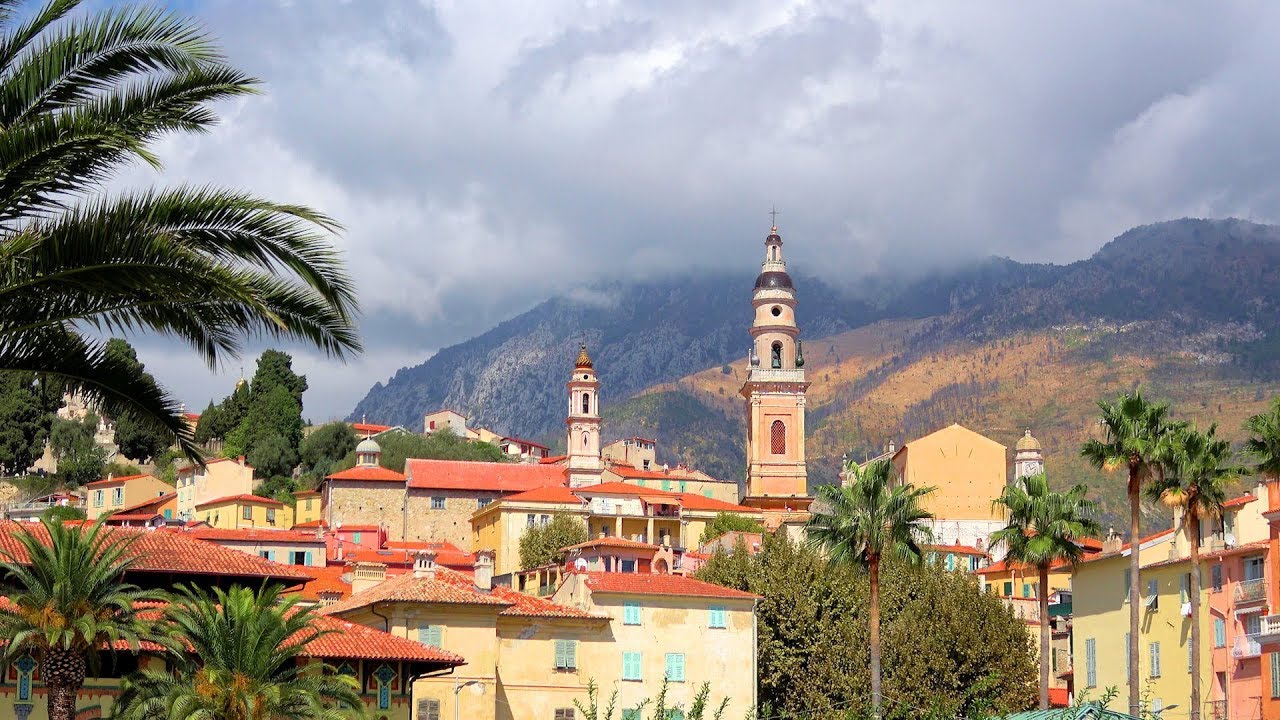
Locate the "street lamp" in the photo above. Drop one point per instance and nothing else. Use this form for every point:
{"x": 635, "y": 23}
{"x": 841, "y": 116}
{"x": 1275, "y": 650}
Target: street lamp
{"x": 457, "y": 688}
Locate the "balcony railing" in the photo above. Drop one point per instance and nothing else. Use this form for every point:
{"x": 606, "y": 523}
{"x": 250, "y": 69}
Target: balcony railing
{"x": 771, "y": 375}
{"x": 1250, "y": 591}
{"x": 1217, "y": 709}
{"x": 1247, "y": 647}
{"x": 1269, "y": 627}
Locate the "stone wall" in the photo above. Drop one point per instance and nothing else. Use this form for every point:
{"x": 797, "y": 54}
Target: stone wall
{"x": 366, "y": 503}
{"x": 452, "y": 523}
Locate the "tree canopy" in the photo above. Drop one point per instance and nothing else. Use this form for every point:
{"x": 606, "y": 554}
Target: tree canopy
{"x": 80, "y": 459}
{"x": 325, "y": 447}
{"x": 950, "y": 650}
{"x": 728, "y": 522}
{"x": 136, "y": 437}
{"x": 27, "y": 410}
{"x": 541, "y": 544}
{"x": 439, "y": 445}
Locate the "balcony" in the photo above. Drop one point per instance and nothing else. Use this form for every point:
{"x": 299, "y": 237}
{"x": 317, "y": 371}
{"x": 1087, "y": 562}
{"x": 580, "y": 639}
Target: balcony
{"x": 1269, "y": 629}
{"x": 1251, "y": 591}
{"x": 771, "y": 375}
{"x": 1247, "y": 646}
{"x": 1217, "y": 709}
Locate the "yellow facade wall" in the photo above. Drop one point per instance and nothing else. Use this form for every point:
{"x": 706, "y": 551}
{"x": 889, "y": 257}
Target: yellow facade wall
{"x": 967, "y": 469}
{"x": 306, "y": 508}
{"x": 109, "y": 497}
{"x": 230, "y": 515}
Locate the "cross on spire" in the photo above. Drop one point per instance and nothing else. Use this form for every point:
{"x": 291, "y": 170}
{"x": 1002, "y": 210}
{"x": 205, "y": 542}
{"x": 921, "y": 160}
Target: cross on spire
{"x": 773, "y": 216}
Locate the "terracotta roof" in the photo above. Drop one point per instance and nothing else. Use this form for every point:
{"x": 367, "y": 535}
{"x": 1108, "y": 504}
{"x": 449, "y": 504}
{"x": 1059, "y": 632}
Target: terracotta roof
{"x": 311, "y": 524}
{"x": 370, "y": 428}
{"x": 552, "y": 460}
{"x": 114, "y": 480}
{"x": 214, "y": 461}
{"x": 622, "y": 488}
{"x": 494, "y": 477}
{"x": 612, "y": 542}
{"x": 1141, "y": 542}
{"x": 358, "y": 528}
{"x": 212, "y": 534}
{"x": 328, "y": 578}
{"x": 655, "y": 584}
{"x": 522, "y": 441}
{"x": 957, "y": 549}
{"x": 694, "y": 501}
{"x": 173, "y": 551}
{"x": 1240, "y": 501}
{"x": 1247, "y": 547}
{"x": 447, "y": 553}
{"x": 130, "y": 517}
{"x": 1006, "y": 565}
{"x": 450, "y": 557}
{"x": 358, "y": 641}
{"x": 376, "y": 473}
{"x": 158, "y": 500}
{"x": 550, "y": 494}
{"x": 241, "y": 499}
{"x": 450, "y": 587}
{"x": 631, "y": 471}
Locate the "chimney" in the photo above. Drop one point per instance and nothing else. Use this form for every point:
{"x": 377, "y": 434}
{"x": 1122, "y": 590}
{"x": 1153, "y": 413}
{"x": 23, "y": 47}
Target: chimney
{"x": 240, "y": 460}
{"x": 366, "y": 575}
{"x": 1113, "y": 543}
{"x": 424, "y": 564}
{"x": 892, "y": 447}
{"x": 329, "y": 597}
{"x": 484, "y": 569}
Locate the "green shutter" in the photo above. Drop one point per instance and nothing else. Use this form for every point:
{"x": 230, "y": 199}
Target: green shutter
{"x": 566, "y": 655}
{"x": 1219, "y": 632}
{"x": 717, "y": 617}
{"x": 1090, "y": 662}
{"x": 631, "y": 713}
{"x": 1128, "y": 582}
{"x": 1275, "y": 674}
{"x": 631, "y": 613}
{"x": 1008, "y": 588}
{"x": 430, "y": 635}
{"x": 675, "y": 667}
{"x": 630, "y": 666}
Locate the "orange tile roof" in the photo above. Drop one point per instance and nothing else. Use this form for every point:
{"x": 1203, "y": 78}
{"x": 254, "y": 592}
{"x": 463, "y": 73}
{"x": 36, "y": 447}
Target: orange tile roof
{"x": 358, "y": 528}
{"x": 175, "y": 552}
{"x": 158, "y": 500}
{"x": 694, "y": 501}
{"x": 522, "y": 441}
{"x": 450, "y": 587}
{"x": 655, "y": 584}
{"x": 612, "y": 542}
{"x": 327, "y": 579}
{"x": 116, "y": 517}
{"x": 552, "y": 460}
{"x": 622, "y": 488}
{"x": 631, "y": 471}
{"x": 490, "y": 476}
{"x": 550, "y": 494}
{"x": 447, "y": 553}
{"x": 255, "y": 535}
{"x": 351, "y": 640}
{"x": 1126, "y": 546}
{"x": 1240, "y": 501}
{"x": 114, "y": 480}
{"x": 376, "y": 473}
{"x": 1247, "y": 547}
{"x": 311, "y": 524}
{"x": 369, "y": 428}
{"x": 957, "y": 549}
{"x": 258, "y": 499}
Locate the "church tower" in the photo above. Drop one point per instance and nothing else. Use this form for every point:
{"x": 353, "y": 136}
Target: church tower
{"x": 777, "y": 480}
{"x": 1028, "y": 458}
{"x": 583, "y": 446}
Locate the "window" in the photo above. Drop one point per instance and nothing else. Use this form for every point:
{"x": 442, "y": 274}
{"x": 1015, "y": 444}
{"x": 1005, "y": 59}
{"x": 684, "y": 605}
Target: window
{"x": 706, "y": 493}
{"x": 544, "y": 520}
{"x": 437, "y": 503}
{"x": 1216, "y": 576}
{"x": 775, "y": 356}
{"x": 1275, "y": 674}
{"x": 432, "y": 425}
{"x": 246, "y": 512}
{"x": 271, "y": 516}
{"x": 717, "y": 619}
{"x": 628, "y": 566}
{"x": 117, "y": 496}
{"x": 675, "y": 714}
{"x": 1184, "y": 588}
{"x": 1253, "y": 568}
{"x": 675, "y": 667}
{"x": 1090, "y": 662}
{"x": 586, "y": 403}
{"x": 97, "y": 498}
{"x": 1153, "y": 594}
{"x": 1128, "y": 583}
{"x": 1219, "y": 632}
{"x": 1128, "y": 678}
{"x": 268, "y": 554}
{"x": 631, "y": 714}
{"x": 483, "y": 502}
{"x": 308, "y": 504}
{"x": 564, "y": 713}
{"x": 432, "y": 635}
{"x": 168, "y": 514}
{"x": 631, "y": 666}
{"x": 631, "y": 613}
{"x": 1026, "y": 590}
{"x": 356, "y": 537}
{"x": 566, "y": 654}
{"x": 684, "y": 486}
{"x": 300, "y": 557}
{"x": 428, "y": 710}
{"x": 1253, "y": 624}
{"x": 1155, "y": 659}
{"x": 530, "y": 520}
{"x": 666, "y": 484}
{"x": 778, "y": 438}
{"x": 1008, "y": 588}
{"x": 951, "y": 561}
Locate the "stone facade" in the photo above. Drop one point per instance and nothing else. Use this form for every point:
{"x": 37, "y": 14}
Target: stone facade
{"x": 356, "y": 502}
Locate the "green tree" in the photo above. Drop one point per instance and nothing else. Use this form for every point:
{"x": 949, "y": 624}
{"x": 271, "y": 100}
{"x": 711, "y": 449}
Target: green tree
{"x": 325, "y": 447}
{"x": 62, "y": 513}
{"x": 66, "y": 582}
{"x": 137, "y": 437}
{"x": 592, "y": 710}
{"x": 950, "y": 650}
{"x": 1264, "y": 441}
{"x": 80, "y": 459}
{"x": 273, "y": 410}
{"x": 1199, "y": 472}
{"x": 272, "y": 455}
{"x": 864, "y": 521}
{"x": 87, "y": 92}
{"x": 242, "y": 660}
{"x": 1044, "y": 529}
{"x": 729, "y": 522}
{"x": 543, "y": 544}
{"x": 26, "y": 415}
{"x": 1136, "y": 433}
{"x": 439, "y": 445}
{"x": 275, "y": 369}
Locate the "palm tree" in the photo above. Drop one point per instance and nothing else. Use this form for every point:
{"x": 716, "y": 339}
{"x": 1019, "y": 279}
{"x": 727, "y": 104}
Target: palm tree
{"x": 69, "y": 602}
{"x": 1199, "y": 470}
{"x": 81, "y": 98}
{"x": 1044, "y": 530}
{"x": 1136, "y": 431}
{"x": 242, "y": 661}
{"x": 1264, "y": 441}
{"x": 864, "y": 521}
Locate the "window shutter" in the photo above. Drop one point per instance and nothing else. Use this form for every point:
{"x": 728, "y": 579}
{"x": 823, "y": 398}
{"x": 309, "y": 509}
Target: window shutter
{"x": 1184, "y": 587}
{"x": 428, "y": 710}
{"x": 1091, "y": 662}
{"x": 562, "y": 658}
{"x": 1190, "y": 667}
{"x": 1126, "y": 658}
{"x": 308, "y": 557}
{"x": 430, "y": 635}
{"x": 1216, "y": 574}
{"x": 1155, "y": 659}
{"x": 1275, "y": 674}
{"x": 631, "y": 613}
{"x": 1128, "y": 582}
{"x": 571, "y": 654}
{"x": 1219, "y": 632}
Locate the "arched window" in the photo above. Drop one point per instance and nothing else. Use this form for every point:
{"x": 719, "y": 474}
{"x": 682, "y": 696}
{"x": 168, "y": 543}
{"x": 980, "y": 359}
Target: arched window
{"x": 586, "y": 403}
{"x": 778, "y": 438}
{"x": 777, "y": 356}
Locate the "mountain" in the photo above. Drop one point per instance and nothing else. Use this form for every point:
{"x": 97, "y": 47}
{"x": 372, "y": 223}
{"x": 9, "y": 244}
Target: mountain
{"x": 1186, "y": 309}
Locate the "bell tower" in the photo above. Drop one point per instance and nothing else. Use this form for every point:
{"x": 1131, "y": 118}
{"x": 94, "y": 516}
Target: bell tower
{"x": 583, "y": 422}
{"x": 777, "y": 479}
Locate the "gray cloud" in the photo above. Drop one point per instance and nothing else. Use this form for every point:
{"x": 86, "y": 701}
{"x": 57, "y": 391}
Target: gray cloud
{"x": 485, "y": 155}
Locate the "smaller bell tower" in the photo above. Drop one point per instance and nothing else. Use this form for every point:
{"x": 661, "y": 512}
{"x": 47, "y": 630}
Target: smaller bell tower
{"x": 583, "y": 422}
{"x": 1028, "y": 457}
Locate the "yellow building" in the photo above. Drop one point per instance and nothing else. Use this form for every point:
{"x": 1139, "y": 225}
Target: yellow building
{"x": 531, "y": 658}
{"x": 612, "y": 509}
{"x": 307, "y": 507}
{"x": 673, "y": 479}
{"x": 245, "y": 511}
{"x": 219, "y": 478}
{"x": 116, "y": 493}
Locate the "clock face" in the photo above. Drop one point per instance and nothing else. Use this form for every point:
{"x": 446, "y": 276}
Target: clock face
{"x": 1030, "y": 468}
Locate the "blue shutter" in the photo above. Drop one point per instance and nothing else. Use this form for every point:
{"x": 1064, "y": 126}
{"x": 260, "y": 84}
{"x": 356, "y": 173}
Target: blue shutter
{"x": 630, "y": 666}
{"x": 430, "y": 635}
{"x": 717, "y": 617}
{"x": 1090, "y": 662}
{"x": 1219, "y": 632}
{"x": 308, "y": 557}
{"x": 675, "y": 667}
{"x": 631, "y": 613}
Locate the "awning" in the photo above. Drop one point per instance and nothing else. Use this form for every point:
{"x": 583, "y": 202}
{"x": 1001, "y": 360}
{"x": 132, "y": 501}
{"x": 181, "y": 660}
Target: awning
{"x": 660, "y": 500}
{"x": 1247, "y": 609}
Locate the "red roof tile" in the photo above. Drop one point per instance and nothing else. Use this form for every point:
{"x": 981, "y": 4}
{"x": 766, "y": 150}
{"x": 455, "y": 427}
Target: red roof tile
{"x": 655, "y": 584}
{"x": 369, "y": 428}
{"x": 255, "y": 499}
{"x": 1240, "y": 501}
{"x": 694, "y": 501}
{"x": 114, "y": 480}
{"x": 616, "y": 542}
{"x": 551, "y": 494}
{"x": 1141, "y": 541}
{"x": 327, "y": 579}
{"x": 450, "y": 587}
{"x": 957, "y": 549}
{"x": 552, "y": 460}
{"x": 622, "y": 488}
{"x": 311, "y": 524}
{"x": 376, "y": 473}
{"x": 158, "y": 500}
{"x": 173, "y": 551}
{"x": 357, "y": 528}
{"x": 351, "y": 640}
{"x": 255, "y": 535}
{"x": 117, "y": 517}
{"x": 493, "y": 477}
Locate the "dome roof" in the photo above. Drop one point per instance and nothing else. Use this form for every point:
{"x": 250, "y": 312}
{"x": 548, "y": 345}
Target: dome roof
{"x": 774, "y": 279}
{"x": 1027, "y": 442}
{"x": 368, "y": 445}
{"x": 584, "y": 360}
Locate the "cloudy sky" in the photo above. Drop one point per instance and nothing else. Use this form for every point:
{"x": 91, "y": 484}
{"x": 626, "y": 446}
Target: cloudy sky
{"x": 485, "y": 155}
